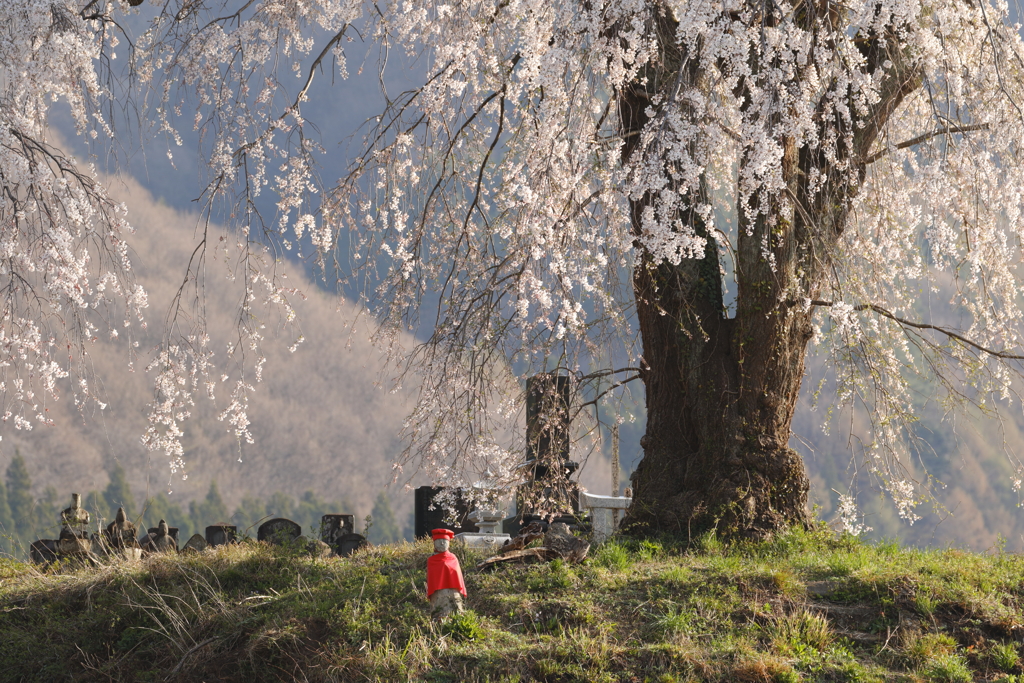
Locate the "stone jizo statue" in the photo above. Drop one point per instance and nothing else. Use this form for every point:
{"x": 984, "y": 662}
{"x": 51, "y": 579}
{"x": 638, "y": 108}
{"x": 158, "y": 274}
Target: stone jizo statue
{"x": 163, "y": 542}
{"x": 445, "y": 586}
{"x": 76, "y": 515}
{"x": 121, "y": 532}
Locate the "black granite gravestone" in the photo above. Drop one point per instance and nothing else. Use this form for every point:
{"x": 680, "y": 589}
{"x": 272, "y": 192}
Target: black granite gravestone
{"x": 221, "y": 534}
{"x": 278, "y": 530}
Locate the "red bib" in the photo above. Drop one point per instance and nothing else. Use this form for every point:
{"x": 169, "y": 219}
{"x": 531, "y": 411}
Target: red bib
{"x": 443, "y": 571}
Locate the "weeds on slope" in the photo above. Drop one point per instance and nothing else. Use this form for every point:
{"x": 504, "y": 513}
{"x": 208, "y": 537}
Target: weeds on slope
{"x": 806, "y": 606}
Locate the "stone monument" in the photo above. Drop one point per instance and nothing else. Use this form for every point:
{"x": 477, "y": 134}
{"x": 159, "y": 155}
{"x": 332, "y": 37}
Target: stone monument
{"x": 278, "y": 531}
{"x": 334, "y": 526}
{"x": 196, "y": 544}
{"x": 432, "y": 506}
{"x": 349, "y": 543}
{"x": 74, "y": 539}
{"x": 221, "y": 533}
{"x": 161, "y": 540}
{"x": 488, "y": 538}
{"x": 547, "y": 457}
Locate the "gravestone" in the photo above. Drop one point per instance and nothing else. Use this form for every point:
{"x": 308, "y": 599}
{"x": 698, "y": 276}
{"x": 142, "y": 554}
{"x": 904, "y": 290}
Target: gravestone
{"x": 349, "y": 543}
{"x": 196, "y": 544}
{"x": 439, "y": 518}
{"x": 334, "y": 526}
{"x": 547, "y": 456}
{"x": 278, "y": 530}
{"x": 43, "y": 551}
{"x": 221, "y": 534}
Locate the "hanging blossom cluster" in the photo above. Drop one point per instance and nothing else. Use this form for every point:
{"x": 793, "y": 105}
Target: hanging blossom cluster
{"x": 65, "y": 276}
{"x": 246, "y": 69}
{"x": 938, "y": 227}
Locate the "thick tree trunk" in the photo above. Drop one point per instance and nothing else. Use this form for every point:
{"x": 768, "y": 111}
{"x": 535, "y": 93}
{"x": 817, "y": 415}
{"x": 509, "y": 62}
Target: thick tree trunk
{"x": 721, "y": 392}
{"x": 720, "y": 399}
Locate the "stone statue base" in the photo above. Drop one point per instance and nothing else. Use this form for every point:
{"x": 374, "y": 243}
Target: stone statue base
{"x": 444, "y": 602}
{"x": 487, "y": 542}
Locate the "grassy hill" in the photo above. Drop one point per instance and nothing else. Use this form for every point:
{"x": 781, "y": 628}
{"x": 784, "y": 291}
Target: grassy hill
{"x": 809, "y": 606}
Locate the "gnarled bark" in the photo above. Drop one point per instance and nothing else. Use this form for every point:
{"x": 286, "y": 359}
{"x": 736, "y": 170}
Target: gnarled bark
{"x": 721, "y": 391}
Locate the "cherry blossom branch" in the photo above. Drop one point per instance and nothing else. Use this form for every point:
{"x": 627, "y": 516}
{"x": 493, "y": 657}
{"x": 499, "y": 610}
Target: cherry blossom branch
{"x": 920, "y": 326}
{"x": 949, "y": 130}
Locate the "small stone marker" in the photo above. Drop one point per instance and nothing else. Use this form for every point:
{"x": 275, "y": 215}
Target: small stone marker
{"x": 221, "y": 534}
{"x": 334, "y": 526}
{"x": 43, "y": 551}
{"x": 278, "y": 531}
{"x": 196, "y": 544}
{"x": 316, "y": 549}
{"x": 349, "y": 543}
{"x": 445, "y": 586}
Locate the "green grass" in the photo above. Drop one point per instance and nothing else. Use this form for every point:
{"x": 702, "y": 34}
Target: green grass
{"x": 806, "y": 606}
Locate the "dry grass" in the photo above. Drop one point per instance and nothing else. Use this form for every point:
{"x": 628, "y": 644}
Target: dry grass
{"x": 636, "y": 611}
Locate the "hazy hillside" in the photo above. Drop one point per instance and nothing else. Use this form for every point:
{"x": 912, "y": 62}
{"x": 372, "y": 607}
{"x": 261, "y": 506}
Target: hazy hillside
{"x": 319, "y": 421}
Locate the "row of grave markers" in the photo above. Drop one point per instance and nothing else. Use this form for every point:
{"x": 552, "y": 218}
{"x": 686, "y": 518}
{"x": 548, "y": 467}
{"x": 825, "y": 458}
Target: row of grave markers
{"x": 337, "y": 536}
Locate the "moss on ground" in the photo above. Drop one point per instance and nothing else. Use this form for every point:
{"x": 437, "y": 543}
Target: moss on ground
{"x": 807, "y": 606}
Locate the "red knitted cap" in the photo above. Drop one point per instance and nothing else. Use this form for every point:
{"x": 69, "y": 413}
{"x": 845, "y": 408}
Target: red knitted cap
{"x": 439, "y": 534}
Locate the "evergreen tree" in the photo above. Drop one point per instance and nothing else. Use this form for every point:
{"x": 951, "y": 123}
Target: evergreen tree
{"x": 45, "y": 520}
{"x": 385, "y": 528}
{"x": 249, "y": 515}
{"x": 118, "y": 493}
{"x": 307, "y": 513}
{"x": 97, "y": 506}
{"x": 212, "y": 510}
{"x": 409, "y": 530}
{"x": 6, "y": 523}
{"x": 280, "y": 505}
{"x": 19, "y": 498}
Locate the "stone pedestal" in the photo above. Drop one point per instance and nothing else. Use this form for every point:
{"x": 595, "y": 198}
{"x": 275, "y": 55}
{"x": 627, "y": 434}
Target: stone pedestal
{"x": 605, "y": 513}
{"x": 488, "y": 539}
{"x": 445, "y": 602}
{"x": 485, "y": 542}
